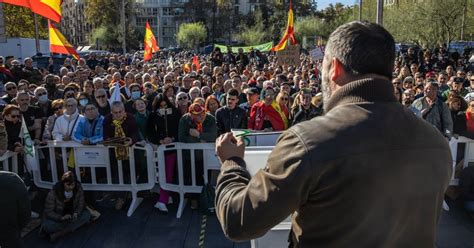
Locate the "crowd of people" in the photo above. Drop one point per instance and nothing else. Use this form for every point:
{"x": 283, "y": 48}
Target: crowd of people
{"x": 171, "y": 99}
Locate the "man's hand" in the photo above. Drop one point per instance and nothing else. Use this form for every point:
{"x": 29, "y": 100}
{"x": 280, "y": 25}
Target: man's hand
{"x": 228, "y": 146}
{"x": 85, "y": 142}
{"x": 194, "y": 132}
{"x": 128, "y": 141}
{"x": 66, "y": 137}
{"x": 18, "y": 147}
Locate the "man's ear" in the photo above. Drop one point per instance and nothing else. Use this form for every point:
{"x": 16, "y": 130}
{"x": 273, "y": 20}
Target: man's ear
{"x": 337, "y": 70}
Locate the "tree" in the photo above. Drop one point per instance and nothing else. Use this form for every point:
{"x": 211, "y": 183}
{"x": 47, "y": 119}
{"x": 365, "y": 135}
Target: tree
{"x": 191, "y": 34}
{"x": 15, "y": 15}
{"x": 104, "y": 15}
{"x": 428, "y": 23}
{"x": 253, "y": 33}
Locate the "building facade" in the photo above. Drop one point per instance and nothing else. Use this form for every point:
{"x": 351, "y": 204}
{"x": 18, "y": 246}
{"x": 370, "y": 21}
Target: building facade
{"x": 73, "y": 23}
{"x": 164, "y": 17}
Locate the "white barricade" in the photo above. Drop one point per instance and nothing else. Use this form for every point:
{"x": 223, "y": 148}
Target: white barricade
{"x": 210, "y": 162}
{"x": 9, "y": 162}
{"x": 55, "y": 156}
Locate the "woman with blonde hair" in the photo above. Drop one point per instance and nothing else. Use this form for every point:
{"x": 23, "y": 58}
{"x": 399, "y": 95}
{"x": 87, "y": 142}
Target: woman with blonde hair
{"x": 283, "y": 99}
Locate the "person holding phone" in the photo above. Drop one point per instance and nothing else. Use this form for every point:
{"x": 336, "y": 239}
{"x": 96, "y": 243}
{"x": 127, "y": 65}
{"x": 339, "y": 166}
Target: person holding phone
{"x": 162, "y": 129}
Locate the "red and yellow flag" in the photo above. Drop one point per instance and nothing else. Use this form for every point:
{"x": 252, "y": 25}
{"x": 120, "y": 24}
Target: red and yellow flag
{"x": 22, "y": 3}
{"x": 50, "y": 9}
{"x": 196, "y": 62}
{"x": 58, "y": 43}
{"x": 150, "y": 43}
{"x": 289, "y": 32}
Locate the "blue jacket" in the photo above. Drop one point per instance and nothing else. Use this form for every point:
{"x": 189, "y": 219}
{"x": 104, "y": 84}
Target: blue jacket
{"x": 83, "y": 130}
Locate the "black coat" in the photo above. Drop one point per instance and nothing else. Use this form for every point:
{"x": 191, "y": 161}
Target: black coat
{"x": 160, "y": 127}
{"x": 228, "y": 119}
{"x": 13, "y": 132}
{"x": 15, "y": 209}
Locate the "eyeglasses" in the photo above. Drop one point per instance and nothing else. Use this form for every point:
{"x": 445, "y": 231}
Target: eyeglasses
{"x": 15, "y": 116}
{"x": 57, "y": 108}
{"x": 148, "y": 86}
{"x": 102, "y": 96}
{"x": 42, "y": 94}
{"x": 11, "y": 88}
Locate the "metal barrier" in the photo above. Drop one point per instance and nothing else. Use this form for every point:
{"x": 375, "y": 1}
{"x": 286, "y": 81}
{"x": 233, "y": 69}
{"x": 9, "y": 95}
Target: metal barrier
{"x": 9, "y": 162}
{"x": 54, "y": 156}
{"x": 209, "y": 159}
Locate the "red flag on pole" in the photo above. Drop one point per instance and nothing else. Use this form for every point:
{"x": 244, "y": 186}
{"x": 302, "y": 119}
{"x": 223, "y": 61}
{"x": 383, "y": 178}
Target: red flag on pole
{"x": 196, "y": 62}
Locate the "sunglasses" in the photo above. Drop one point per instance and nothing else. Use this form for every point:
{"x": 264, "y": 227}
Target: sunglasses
{"x": 102, "y": 96}
{"x": 11, "y": 88}
{"x": 182, "y": 98}
{"x": 42, "y": 94}
{"x": 58, "y": 108}
{"x": 15, "y": 116}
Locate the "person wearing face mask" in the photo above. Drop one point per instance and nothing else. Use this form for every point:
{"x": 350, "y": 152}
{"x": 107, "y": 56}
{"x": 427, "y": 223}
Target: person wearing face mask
{"x": 64, "y": 208}
{"x": 162, "y": 129}
{"x": 135, "y": 94}
{"x": 43, "y": 103}
{"x": 82, "y": 100}
{"x": 66, "y": 123}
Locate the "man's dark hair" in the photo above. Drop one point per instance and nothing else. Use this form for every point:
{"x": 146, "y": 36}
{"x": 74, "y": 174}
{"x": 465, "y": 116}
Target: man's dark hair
{"x": 233, "y": 92}
{"x": 363, "y": 48}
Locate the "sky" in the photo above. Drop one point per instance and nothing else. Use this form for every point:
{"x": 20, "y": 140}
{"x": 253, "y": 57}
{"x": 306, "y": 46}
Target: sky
{"x": 322, "y": 4}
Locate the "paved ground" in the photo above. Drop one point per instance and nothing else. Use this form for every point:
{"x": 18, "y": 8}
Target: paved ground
{"x": 148, "y": 228}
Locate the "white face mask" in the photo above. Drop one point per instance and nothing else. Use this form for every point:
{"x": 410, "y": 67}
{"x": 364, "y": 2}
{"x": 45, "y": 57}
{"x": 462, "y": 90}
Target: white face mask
{"x": 68, "y": 195}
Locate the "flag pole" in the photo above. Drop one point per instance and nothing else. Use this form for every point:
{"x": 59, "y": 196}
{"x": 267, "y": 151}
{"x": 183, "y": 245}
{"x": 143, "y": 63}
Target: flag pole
{"x": 37, "y": 43}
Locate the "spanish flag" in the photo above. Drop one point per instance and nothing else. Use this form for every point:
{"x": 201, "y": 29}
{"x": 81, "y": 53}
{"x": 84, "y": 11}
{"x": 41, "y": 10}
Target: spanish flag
{"x": 150, "y": 44}
{"x": 196, "y": 62}
{"x": 21, "y": 3}
{"x": 58, "y": 43}
{"x": 289, "y": 32}
{"x": 50, "y": 9}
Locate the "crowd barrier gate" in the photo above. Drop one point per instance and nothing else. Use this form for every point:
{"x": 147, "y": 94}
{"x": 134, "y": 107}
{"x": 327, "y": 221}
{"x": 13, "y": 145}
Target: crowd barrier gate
{"x": 56, "y": 154}
{"x": 155, "y": 167}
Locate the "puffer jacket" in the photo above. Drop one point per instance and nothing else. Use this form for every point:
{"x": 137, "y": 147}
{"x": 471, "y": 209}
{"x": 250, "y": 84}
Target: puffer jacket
{"x": 54, "y": 204}
{"x": 368, "y": 173}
